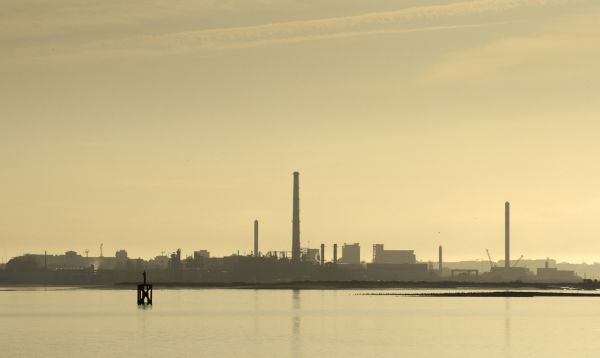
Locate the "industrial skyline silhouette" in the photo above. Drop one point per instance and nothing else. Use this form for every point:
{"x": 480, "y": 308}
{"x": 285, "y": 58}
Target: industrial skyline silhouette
{"x": 272, "y": 266}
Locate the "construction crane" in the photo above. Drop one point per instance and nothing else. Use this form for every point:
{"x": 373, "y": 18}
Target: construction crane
{"x": 490, "y": 258}
{"x": 518, "y": 261}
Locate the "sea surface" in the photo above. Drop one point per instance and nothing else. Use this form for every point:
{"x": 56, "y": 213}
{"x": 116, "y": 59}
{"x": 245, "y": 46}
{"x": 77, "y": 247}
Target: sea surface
{"x": 68, "y": 322}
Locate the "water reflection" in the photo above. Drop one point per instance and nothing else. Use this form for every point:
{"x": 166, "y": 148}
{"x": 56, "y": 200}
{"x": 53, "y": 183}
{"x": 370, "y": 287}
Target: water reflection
{"x": 256, "y": 314}
{"x": 142, "y": 320}
{"x": 296, "y": 343}
{"x": 507, "y": 326}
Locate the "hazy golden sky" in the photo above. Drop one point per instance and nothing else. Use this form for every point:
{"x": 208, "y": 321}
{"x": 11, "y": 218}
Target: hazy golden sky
{"x": 151, "y": 125}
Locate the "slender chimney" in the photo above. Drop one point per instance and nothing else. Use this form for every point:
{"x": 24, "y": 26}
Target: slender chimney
{"x": 440, "y": 260}
{"x": 507, "y": 235}
{"x": 296, "y": 220}
{"x": 255, "y": 238}
{"x": 335, "y": 253}
{"x": 322, "y": 254}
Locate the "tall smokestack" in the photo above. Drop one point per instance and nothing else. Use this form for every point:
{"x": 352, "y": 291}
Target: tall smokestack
{"x": 440, "y": 260}
{"x": 296, "y": 220}
{"x": 335, "y": 253}
{"x": 507, "y": 235}
{"x": 322, "y": 254}
{"x": 255, "y": 238}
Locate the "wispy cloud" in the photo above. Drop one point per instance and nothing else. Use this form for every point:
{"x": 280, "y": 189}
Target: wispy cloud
{"x": 364, "y": 22}
{"x": 400, "y": 21}
{"x": 338, "y": 35}
{"x": 572, "y": 40}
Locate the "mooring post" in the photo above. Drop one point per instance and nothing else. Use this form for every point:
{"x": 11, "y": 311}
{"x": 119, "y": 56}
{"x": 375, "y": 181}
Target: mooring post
{"x": 144, "y": 292}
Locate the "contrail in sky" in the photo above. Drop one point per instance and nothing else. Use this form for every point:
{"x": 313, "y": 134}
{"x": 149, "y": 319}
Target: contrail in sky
{"x": 398, "y": 21}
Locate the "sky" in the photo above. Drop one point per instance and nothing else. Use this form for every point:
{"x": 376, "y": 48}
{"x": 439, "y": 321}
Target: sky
{"x": 150, "y": 126}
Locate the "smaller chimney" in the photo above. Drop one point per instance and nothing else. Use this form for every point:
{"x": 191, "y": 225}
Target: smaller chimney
{"x": 322, "y": 254}
{"x": 255, "y": 238}
{"x": 335, "y": 253}
{"x": 507, "y": 235}
{"x": 440, "y": 260}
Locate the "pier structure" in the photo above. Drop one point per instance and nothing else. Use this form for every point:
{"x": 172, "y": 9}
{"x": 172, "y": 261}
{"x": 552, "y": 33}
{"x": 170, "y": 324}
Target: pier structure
{"x": 144, "y": 293}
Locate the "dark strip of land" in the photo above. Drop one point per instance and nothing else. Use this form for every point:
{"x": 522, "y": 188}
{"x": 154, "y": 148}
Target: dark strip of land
{"x": 491, "y": 294}
{"x": 335, "y": 285}
{"x": 341, "y": 285}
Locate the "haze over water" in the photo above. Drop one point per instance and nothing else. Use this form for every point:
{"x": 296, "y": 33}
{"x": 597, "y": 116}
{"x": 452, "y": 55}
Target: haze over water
{"x": 286, "y": 323}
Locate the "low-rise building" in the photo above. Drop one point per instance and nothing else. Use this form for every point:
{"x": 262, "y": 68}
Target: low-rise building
{"x": 383, "y": 256}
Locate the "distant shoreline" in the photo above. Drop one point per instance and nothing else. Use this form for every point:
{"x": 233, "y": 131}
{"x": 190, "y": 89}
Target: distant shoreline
{"x": 490, "y": 294}
{"x": 344, "y": 285}
{"x": 324, "y": 285}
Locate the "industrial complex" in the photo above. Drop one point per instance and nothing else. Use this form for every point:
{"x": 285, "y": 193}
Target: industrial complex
{"x": 299, "y": 264}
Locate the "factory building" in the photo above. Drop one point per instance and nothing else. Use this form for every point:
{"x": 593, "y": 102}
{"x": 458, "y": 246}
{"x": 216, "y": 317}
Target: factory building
{"x": 396, "y": 265}
{"x": 202, "y": 254}
{"x": 553, "y": 274}
{"x": 350, "y": 254}
{"x": 383, "y": 256}
{"x": 508, "y": 274}
{"x": 398, "y": 272}
{"x": 312, "y": 256}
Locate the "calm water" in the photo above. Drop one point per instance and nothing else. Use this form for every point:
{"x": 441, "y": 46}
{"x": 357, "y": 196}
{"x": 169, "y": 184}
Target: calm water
{"x": 282, "y": 323}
